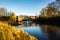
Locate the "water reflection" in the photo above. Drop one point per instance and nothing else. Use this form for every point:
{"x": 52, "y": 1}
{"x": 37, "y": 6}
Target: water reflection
{"x": 51, "y": 31}
{"x": 42, "y": 32}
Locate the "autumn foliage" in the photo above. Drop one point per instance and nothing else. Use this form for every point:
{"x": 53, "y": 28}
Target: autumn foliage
{"x": 8, "y": 32}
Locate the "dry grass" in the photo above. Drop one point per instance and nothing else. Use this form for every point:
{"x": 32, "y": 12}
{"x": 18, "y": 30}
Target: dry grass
{"x": 8, "y": 32}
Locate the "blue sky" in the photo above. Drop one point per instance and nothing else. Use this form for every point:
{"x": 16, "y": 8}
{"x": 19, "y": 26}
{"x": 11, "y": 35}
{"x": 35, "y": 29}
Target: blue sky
{"x": 24, "y": 7}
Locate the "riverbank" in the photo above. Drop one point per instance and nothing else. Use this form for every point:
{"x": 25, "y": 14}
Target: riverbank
{"x": 8, "y": 32}
{"x": 51, "y": 20}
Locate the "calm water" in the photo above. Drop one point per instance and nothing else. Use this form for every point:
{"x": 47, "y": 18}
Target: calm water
{"x": 42, "y": 32}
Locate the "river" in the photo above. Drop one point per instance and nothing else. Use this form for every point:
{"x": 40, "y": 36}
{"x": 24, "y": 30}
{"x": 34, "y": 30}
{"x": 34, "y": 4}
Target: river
{"x": 40, "y": 31}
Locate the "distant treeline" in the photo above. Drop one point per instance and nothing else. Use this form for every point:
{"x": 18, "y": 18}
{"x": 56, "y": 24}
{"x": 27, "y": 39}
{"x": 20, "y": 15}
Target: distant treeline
{"x": 51, "y": 20}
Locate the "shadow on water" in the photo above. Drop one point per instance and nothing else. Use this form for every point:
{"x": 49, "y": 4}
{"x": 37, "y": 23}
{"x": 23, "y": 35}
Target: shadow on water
{"x": 42, "y": 32}
{"x": 53, "y": 32}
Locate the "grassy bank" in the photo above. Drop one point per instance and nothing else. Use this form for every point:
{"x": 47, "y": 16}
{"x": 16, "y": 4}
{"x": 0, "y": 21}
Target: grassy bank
{"x": 8, "y": 32}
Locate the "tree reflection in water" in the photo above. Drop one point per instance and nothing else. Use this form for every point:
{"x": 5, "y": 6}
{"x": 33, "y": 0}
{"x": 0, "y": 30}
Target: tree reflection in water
{"x": 45, "y": 32}
{"x": 51, "y": 31}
